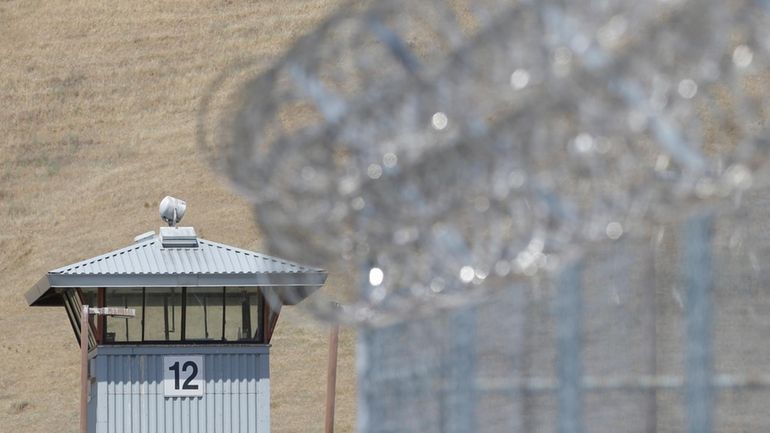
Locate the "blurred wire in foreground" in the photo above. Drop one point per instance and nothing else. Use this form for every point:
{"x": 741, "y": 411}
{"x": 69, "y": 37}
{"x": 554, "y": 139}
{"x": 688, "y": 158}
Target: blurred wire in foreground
{"x": 522, "y": 189}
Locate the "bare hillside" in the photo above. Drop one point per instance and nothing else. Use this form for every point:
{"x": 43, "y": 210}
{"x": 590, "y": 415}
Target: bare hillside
{"x": 97, "y": 123}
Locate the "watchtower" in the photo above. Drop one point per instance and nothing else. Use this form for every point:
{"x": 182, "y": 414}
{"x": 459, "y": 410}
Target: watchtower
{"x": 196, "y": 355}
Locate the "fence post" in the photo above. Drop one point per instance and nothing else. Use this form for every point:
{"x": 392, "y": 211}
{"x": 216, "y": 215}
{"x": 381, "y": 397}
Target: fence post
{"x": 460, "y": 397}
{"x": 649, "y": 286}
{"x": 569, "y": 366}
{"x": 698, "y": 280}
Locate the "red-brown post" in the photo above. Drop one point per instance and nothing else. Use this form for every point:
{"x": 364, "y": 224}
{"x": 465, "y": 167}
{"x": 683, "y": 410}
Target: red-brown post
{"x": 101, "y": 321}
{"x": 84, "y": 337}
{"x": 331, "y": 378}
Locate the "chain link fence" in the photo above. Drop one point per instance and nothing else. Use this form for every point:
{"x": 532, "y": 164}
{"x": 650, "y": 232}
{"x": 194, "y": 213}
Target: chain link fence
{"x": 661, "y": 336}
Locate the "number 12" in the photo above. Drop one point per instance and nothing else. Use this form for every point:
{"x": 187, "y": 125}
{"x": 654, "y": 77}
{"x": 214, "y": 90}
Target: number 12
{"x": 186, "y": 385}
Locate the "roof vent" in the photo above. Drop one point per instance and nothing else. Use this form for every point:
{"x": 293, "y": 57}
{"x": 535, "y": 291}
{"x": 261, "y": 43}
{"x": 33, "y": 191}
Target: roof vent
{"x": 178, "y": 237}
{"x": 144, "y": 237}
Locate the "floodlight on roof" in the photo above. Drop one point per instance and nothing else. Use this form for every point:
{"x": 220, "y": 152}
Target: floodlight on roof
{"x": 172, "y": 210}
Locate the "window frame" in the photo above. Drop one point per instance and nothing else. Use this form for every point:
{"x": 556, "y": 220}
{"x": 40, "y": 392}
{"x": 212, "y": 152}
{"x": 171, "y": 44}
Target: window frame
{"x": 263, "y": 308}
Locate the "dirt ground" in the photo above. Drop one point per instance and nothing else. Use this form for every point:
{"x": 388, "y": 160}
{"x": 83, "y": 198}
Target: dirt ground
{"x": 97, "y": 123}
{"x": 98, "y": 105}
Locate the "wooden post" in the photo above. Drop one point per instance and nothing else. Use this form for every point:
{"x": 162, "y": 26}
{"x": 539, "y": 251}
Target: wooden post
{"x": 331, "y": 378}
{"x": 101, "y": 321}
{"x": 84, "y": 337}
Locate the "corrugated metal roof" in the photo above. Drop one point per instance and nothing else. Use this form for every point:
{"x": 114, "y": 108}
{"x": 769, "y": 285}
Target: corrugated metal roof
{"x": 150, "y": 257}
{"x": 149, "y": 264}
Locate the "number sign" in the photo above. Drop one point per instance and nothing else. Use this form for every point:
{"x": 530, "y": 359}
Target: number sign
{"x": 183, "y": 376}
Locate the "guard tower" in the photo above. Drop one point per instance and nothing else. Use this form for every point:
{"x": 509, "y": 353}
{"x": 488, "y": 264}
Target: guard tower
{"x": 195, "y": 358}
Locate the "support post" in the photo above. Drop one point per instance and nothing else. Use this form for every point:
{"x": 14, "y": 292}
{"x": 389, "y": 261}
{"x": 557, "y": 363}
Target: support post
{"x": 331, "y": 378}
{"x": 84, "y": 337}
{"x": 101, "y": 322}
{"x": 699, "y": 282}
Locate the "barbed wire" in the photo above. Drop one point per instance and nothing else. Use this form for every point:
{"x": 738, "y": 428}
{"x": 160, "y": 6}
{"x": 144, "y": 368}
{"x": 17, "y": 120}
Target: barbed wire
{"x": 449, "y": 150}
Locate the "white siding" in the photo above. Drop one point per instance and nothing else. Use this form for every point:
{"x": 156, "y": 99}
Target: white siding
{"x": 127, "y": 395}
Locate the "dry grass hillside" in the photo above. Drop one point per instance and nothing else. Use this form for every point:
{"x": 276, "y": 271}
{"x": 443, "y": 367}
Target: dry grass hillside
{"x": 97, "y": 123}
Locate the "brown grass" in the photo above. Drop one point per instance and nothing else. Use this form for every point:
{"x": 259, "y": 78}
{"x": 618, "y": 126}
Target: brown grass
{"x": 97, "y": 123}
